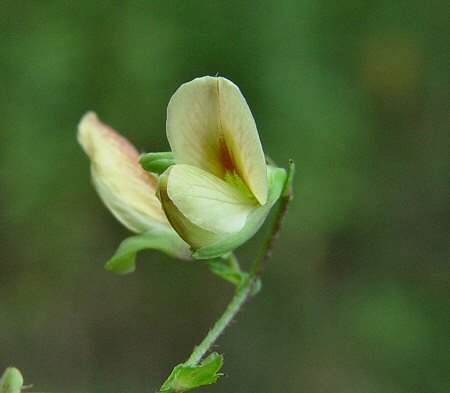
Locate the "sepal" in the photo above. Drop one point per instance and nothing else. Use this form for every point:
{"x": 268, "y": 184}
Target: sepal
{"x": 124, "y": 259}
{"x": 157, "y": 162}
{"x": 220, "y": 268}
{"x": 237, "y": 278}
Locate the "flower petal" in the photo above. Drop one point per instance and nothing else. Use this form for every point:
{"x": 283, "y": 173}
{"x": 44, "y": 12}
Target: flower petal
{"x": 207, "y": 201}
{"x": 227, "y": 243}
{"x": 192, "y": 234}
{"x": 124, "y": 187}
{"x": 210, "y": 126}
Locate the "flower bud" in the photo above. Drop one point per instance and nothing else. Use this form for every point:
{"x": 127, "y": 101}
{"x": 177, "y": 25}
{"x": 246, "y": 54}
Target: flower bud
{"x": 11, "y": 381}
{"x": 124, "y": 187}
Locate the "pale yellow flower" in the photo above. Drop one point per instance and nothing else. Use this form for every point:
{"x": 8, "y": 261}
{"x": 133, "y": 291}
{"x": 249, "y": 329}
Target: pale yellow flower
{"x": 220, "y": 175}
{"x": 216, "y": 191}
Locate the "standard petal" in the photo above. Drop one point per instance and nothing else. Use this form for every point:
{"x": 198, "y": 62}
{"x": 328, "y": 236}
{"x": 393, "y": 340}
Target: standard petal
{"x": 210, "y": 126}
{"x": 124, "y": 187}
{"x": 207, "y": 201}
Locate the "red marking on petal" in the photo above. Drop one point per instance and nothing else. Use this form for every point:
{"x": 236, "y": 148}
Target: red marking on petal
{"x": 226, "y": 158}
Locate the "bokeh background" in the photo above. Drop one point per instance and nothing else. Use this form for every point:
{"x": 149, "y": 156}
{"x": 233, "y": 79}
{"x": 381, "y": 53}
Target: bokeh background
{"x": 355, "y": 298}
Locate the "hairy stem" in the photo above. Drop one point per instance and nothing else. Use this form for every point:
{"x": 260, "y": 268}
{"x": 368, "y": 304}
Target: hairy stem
{"x": 240, "y": 297}
{"x": 266, "y": 251}
{"x": 244, "y": 291}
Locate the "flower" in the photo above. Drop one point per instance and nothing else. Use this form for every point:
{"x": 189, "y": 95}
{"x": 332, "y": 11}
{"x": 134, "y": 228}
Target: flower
{"x": 218, "y": 188}
{"x": 126, "y": 189}
{"x": 214, "y": 190}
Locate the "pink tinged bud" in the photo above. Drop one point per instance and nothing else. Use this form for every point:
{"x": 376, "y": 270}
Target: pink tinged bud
{"x": 124, "y": 187}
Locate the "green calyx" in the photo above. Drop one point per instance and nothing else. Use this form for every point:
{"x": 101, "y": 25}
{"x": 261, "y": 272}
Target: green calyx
{"x": 124, "y": 259}
{"x": 157, "y": 162}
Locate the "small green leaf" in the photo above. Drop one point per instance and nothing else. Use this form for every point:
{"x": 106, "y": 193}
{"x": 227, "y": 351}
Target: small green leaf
{"x": 225, "y": 271}
{"x": 124, "y": 260}
{"x": 157, "y": 162}
{"x": 184, "y": 378}
{"x": 237, "y": 278}
{"x": 11, "y": 381}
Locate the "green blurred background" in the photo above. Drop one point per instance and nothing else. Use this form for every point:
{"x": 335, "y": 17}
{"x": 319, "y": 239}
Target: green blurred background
{"x": 355, "y": 298}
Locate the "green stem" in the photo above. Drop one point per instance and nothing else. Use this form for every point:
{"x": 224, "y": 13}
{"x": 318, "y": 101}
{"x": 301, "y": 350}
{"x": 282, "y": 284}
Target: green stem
{"x": 240, "y": 297}
{"x": 266, "y": 251}
{"x": 244, "y": 291}
{"x": 234, "y": 263}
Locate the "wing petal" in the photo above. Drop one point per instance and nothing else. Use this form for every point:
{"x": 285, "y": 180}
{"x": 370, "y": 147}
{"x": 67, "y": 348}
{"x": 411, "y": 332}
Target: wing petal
{"x": 208, "y": 201}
